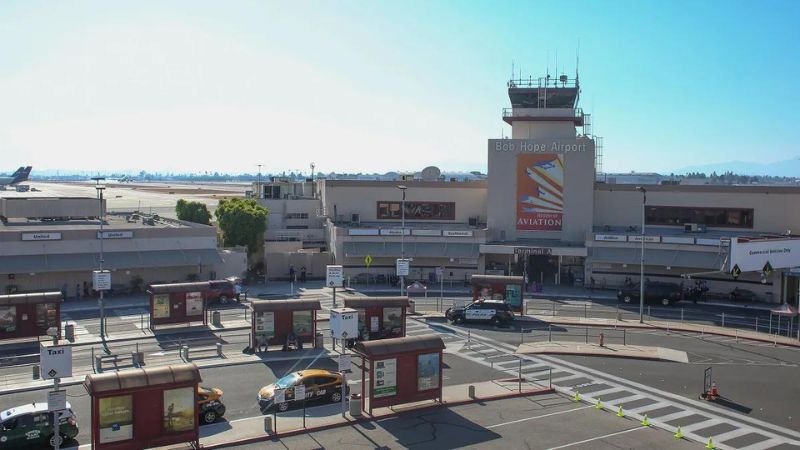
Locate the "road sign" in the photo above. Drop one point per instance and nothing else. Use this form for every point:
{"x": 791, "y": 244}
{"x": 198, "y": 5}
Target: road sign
{"x": 56, "y": 401}
{"x": 767, "y": 268}
{"x": 280, "y": 396}
{"x": 736, "y": 271}
{"x": 344, "y": 363}
{"x": 402, "y": 267}
{"x": 368, "y": 260}
{"x": 56, "y": 361}
{"x": 101, "y": 280}
{"x": 299, "y": 392}
{"x": 335, "y": 277}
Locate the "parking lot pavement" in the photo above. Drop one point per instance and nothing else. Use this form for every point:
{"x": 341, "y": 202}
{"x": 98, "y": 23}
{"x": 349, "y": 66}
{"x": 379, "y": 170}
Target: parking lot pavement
{"x": 541, "y": 422}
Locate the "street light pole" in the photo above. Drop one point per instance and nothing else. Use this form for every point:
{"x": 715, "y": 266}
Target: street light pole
{"x": 641, "y": 264}
{"x": 402, "y": 234}
{"x": 102, "y": 219}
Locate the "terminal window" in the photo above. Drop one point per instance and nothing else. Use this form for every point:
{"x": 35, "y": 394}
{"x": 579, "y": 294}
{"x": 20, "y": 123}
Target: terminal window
{"x": 417, "y": 210}
{"x": 712, "y": 217}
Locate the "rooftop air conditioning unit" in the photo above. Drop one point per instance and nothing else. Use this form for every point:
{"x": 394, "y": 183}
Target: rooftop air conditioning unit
{"x": 691, "y": 227}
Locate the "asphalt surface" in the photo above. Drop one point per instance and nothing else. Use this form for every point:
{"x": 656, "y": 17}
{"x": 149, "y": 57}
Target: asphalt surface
{"x": 541, "y": 422}
{"x": 241, "y": 384}
{"x": 755, "y": 378}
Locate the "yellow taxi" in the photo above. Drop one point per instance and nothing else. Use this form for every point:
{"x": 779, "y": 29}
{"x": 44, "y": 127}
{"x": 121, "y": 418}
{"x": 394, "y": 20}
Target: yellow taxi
{"x": 320, "y": 384}
{"x": 209, "y": 401}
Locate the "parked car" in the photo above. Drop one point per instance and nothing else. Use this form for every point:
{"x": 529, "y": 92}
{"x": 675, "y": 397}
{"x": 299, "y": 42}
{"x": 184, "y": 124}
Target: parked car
{"x": 210, "y": 404}
{"x": 654, "y": 292}
{"x": 320, "y": 385}
{"x": 32, "y": 424}
{"x": 743, "y": 295}
{"x": 222, "y": 290}
{"x": 494, "y": 311}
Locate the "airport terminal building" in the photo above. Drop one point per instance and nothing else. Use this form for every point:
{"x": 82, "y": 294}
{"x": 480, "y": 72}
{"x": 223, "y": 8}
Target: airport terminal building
{"x": 540, "y": 213}
{"x": 52, "y": 243}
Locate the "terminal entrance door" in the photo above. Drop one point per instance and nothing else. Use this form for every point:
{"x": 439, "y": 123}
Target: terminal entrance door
{"x": 792, "y": 291}
{"x": 542, "y": 269}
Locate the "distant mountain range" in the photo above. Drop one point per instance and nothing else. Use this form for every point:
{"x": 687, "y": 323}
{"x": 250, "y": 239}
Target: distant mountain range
{"x": 787, "y": 168}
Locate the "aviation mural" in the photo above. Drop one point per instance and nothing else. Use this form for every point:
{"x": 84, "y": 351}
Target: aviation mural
{"x": 540, "y": 191}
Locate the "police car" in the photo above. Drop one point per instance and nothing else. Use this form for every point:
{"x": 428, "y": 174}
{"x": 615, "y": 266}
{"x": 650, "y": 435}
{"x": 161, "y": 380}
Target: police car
{"x": 494, "y": 311}
{"x": 32, "y": 424}
{"x": 319, "y": 384}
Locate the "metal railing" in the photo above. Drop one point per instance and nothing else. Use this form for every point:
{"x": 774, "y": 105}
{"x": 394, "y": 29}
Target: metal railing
{"x": 552, "y": 333}
{"x": 768, "y": 322}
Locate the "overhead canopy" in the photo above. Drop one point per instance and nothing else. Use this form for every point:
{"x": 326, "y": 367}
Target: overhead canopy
{"x": 417, "y": 344}
{"x": 412, "y": 249}
{"x": 178, "y": 287}
{"x": 141, "y": 378}
{"x": 492, "y": 279}
{"x": 31, "y": 298}
{"x": 658, "y": 257}
{"x": 367, "y": 302}
{"x": 111, "y": 260}
{"x": 295, "y": 304}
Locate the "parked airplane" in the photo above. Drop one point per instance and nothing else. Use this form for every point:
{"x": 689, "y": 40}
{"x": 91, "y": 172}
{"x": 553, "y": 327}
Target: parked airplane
{"x": 17, "y": 177}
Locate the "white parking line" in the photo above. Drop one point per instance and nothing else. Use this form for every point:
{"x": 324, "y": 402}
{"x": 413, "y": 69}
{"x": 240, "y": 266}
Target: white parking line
{"x": 597, "y": 438}
{"x": 537, "y": 417}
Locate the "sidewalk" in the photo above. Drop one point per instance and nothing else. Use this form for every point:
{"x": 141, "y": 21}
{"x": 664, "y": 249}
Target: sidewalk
{"x": 202, "y": 362}
{"x": 612, "y": 350}
{"x": 251, "y": 430}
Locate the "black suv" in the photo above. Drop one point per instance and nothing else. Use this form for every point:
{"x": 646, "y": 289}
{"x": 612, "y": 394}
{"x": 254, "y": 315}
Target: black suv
{"x": 496, "y": 312}
{"x": 654, "y": 292}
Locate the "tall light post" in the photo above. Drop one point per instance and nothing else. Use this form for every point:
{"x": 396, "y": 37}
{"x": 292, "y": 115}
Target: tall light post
{"x": 100, "y": 189}
{"x": 403, "y": 188}
{"x": 641, "y": 264}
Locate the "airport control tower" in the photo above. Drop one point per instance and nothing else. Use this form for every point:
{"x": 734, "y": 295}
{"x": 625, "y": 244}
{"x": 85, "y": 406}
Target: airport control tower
{"x": 545, "y": 107}
{"x": 541, "y": 179}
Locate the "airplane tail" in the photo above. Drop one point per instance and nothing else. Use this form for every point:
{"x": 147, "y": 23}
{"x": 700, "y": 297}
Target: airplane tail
{"x": 21, "y": 175}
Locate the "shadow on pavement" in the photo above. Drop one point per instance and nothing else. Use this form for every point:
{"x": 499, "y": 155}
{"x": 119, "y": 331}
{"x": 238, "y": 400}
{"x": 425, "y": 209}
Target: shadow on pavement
{"x": 439, "y": 429}
{"x": 728, "y": 403}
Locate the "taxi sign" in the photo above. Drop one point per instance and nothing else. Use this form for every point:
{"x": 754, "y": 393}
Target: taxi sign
{"x": 368, "y": 260}
{"x": 55, "y": 361}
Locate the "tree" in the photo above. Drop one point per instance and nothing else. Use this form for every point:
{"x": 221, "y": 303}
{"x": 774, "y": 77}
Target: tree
{"x": 242, "y": 221}
{"x": 193, "y": 212}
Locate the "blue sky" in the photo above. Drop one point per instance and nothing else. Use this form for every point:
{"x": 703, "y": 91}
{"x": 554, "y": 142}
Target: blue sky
{"x": 385, "y": 85}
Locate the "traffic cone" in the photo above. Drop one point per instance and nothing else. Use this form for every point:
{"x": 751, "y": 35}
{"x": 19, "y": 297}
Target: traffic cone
{"x": 620, "y": 413}
{"x": 710, "y": 444}
{"x": 645, "y": 421}
{"x": 598, "y": 405}
{"x": 577, "y": 397}
{"x": 679, "y": 434}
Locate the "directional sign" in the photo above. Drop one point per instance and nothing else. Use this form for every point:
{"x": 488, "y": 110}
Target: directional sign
{"x": 402, "y": 267}
{"x": 344, "y": 363}
{"x": 736, "y": 271}
{"x": 299, "y": 392}
{"x": 368, "y": 260}
{"x": 56, "y": 401}
{"x": 335, "y": 277}
{"x": 56, "y": 361}
{"x": 280, "y": 396}
{"x": 767, "y": 269}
